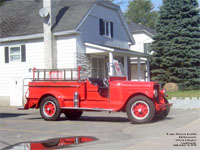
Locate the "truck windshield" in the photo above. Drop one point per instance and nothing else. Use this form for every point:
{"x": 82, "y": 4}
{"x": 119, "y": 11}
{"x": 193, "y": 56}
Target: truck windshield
{"x": 116, "y": 69}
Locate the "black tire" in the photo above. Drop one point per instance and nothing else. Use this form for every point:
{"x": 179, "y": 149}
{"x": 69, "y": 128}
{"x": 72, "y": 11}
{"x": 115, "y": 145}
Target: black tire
{"x": 163, "y": 114}
{"x": 144, "y": 110}
{"x": 50, "y": 108}
{"x": 51, "y": 143}
{"x": 168, "y": 108}
{"x": 73, "y": 114}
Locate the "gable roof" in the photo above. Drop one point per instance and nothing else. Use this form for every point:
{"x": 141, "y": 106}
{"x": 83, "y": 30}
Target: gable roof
{"x": 138, "y": 28}
{"x": 21, "y": 17}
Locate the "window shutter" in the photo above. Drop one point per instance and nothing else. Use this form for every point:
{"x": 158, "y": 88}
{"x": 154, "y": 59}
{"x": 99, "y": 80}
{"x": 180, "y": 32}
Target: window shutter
{"x": 111, "y": 29}
{"x": 6, "y": 55}
{"x": 101, "y": 27}
{"x": 23, "y": 53}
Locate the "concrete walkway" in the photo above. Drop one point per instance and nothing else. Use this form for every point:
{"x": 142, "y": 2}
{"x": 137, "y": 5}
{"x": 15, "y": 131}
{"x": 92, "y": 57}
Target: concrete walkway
{"x": 185, "y": 103}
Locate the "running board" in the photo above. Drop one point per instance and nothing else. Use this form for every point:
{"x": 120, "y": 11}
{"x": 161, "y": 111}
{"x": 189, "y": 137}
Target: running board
{"x": 92, "y": 109}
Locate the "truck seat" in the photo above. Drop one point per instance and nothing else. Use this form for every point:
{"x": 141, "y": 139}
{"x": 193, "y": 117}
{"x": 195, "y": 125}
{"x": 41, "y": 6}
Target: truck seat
{"x": 97, "y": 81}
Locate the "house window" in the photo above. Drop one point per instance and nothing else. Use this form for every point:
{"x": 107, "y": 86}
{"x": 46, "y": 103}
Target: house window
{"x": 147, "y": 48}
{"x": 15, "y": 54}
{"x": 98, "y": 68}
{"x": 106, "y": 28}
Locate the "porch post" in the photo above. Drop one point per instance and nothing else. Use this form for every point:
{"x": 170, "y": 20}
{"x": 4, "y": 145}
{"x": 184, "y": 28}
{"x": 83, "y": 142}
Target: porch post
{"x": 148, "y": 69}
{"x": 126, "y": 66}
{"x": 111, "y": 63}
{"x": 139, "y": 69}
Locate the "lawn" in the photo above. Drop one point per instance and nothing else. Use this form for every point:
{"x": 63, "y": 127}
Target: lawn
{"x": 192, "y": 93}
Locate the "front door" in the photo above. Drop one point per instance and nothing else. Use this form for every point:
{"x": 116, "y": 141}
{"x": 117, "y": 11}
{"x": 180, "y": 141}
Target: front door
{"x": 16, "y": 92}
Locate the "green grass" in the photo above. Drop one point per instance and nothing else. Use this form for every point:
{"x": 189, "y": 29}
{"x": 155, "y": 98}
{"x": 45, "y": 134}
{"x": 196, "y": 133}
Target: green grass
{"x": 192, "y": 93}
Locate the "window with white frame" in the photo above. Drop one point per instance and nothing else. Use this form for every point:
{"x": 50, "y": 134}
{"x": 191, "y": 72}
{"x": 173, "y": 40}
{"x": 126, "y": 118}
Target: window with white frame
{"x": 106, "y": 28}
{"x": 147, "y": 48}
{"x": 15, "y": 54}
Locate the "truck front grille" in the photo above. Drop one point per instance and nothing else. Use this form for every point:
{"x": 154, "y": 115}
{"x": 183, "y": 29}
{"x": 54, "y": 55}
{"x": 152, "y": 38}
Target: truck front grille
{"x": 156, "y": 87}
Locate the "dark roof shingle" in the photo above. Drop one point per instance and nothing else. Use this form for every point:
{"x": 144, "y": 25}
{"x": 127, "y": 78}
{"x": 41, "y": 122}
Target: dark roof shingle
{"x": 21, "y": 17}
{"x": 135, "y": 28}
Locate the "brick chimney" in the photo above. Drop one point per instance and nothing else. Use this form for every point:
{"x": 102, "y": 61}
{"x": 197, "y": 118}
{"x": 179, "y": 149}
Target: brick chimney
{"x": 49, "y": 39}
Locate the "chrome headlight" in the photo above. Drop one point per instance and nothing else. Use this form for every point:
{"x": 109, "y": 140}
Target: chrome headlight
{"x": 155, "y": 92}
{"x": 164, "y": 92}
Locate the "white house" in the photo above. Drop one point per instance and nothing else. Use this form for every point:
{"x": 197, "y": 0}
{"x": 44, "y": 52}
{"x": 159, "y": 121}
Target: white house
{"x": 88, "y": 33}
{"x": 143, "y": 37}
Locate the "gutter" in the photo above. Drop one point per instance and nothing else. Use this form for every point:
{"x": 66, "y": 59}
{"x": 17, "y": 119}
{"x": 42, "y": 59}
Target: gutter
{"x": 25, "y": 37}
{"x": 36, "y": 36}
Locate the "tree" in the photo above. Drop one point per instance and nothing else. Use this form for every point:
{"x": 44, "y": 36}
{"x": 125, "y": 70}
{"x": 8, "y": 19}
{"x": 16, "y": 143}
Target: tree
{"x": 1, "y": 2}
{"x": 141, "y": 11}
{"x": 176, "y": 49}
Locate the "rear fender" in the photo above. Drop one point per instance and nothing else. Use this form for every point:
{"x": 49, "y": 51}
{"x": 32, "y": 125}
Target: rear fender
{"x": 58, "y": 95}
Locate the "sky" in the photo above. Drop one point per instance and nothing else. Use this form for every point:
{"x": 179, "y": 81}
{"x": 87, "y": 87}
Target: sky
{"x": 124, "y": 3}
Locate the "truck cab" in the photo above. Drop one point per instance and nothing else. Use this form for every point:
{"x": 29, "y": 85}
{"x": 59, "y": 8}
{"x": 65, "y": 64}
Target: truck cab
{"x": 56, "y": 91}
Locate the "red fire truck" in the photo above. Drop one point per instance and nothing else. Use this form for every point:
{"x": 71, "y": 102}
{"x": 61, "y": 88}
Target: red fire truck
{"x": 57, "y": 91}
{"x": 57, "y": 143}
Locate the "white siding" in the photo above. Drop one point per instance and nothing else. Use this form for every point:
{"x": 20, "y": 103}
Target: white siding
{"x": 18, "y": 70}
{"x": 90, "y": 28}
{"x": 66, "y": 52}
{"x": 140, "y": 39}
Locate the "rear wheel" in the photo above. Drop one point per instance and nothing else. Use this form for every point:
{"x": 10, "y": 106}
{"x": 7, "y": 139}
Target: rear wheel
{"x": 50, "y": 108}
{"x": 140, "y": 109}
{"x": 73, "y": 114}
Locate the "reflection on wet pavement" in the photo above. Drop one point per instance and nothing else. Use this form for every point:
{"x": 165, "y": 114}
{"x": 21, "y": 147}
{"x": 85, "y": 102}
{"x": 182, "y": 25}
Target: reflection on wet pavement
{"x": 57, "y": 143}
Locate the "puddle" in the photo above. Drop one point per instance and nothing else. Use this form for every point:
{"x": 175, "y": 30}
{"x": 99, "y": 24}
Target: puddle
{"x": 57, "y": 143}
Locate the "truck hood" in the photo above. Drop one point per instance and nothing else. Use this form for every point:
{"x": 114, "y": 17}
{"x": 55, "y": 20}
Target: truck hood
{"x": 135, "y": 84}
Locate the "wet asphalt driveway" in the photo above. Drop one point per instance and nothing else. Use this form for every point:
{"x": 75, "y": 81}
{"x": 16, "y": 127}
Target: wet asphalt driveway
{"x": 111, "y": 131}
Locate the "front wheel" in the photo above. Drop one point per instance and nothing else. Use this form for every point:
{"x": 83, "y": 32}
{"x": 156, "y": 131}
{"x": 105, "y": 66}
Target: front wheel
{"x": 163, "y": 114}
{"x": 50, "y": 108}
{"x": 140, "y": 110}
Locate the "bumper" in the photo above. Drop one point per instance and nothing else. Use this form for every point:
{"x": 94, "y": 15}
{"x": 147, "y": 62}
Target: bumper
{"x": 22, "y": 108}
{"x": 26, "y": 106}
{"x": 163, "y": 106}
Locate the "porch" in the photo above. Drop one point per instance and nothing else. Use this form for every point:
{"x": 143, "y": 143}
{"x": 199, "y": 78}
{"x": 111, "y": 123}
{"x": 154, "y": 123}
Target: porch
{"x": 101, "y": 57}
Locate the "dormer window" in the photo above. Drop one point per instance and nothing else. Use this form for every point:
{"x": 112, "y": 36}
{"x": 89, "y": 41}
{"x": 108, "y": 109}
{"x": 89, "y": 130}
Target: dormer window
{"x": 147, "y": 48}
{"x": 106, "y": 28}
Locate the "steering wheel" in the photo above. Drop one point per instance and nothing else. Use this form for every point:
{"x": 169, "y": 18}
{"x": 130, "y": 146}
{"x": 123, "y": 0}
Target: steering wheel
{"x": 105, "y": 82}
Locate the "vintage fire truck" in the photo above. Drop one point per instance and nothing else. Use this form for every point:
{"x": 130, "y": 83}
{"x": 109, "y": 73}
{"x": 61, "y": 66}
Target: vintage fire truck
{"x": 58, "y": 143}
{"x": 56, "y": 91}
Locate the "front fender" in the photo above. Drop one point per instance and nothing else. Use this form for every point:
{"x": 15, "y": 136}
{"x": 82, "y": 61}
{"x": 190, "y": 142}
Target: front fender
{"x": 147, "y": 94}
{"x": 144, "y": 93}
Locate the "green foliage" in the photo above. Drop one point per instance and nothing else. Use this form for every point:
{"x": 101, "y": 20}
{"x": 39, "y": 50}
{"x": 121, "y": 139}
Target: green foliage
{"x": 1, "y": 2}
{"x": 190, "y": 93}
{"x": 176, "y": 56}
{"x": 141, "y": 11}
